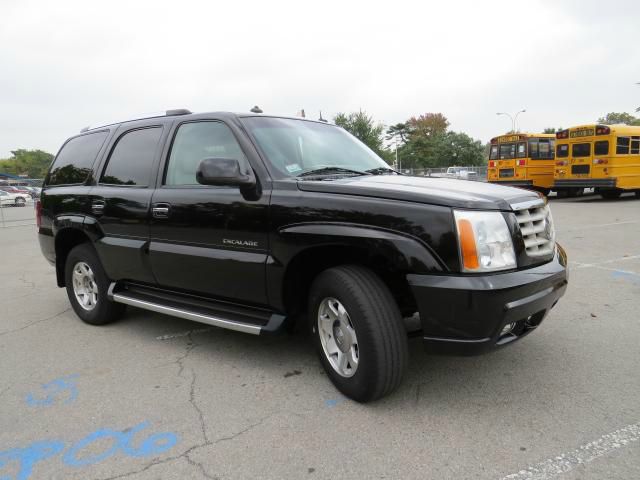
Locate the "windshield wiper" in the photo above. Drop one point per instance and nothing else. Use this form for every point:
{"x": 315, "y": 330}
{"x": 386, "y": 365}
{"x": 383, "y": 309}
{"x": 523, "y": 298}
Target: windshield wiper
{"x": 329, "y": 170}
{"x": 382, "y": 170}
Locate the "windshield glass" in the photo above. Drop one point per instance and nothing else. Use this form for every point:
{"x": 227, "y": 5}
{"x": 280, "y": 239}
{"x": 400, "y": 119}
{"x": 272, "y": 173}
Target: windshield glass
{"x": 294, "y": 147}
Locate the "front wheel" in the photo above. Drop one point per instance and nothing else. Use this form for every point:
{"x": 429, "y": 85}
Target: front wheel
{"x": 20, "y": 202}
{"x": 358, "y": 331}
{"x": 87, "y": 286}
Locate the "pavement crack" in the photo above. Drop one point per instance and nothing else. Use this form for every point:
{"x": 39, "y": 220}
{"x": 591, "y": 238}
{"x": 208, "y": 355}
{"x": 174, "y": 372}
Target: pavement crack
{"x": 200, "y": 467}
{"x": 6, "y": 332}
{"x": 243, "y": 431}
{"x": 192, "y": 387}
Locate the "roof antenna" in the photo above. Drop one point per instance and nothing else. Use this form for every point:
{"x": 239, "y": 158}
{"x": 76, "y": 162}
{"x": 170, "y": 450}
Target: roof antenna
{"x": 322, "y": 119}
{"x": 256, "y": 109}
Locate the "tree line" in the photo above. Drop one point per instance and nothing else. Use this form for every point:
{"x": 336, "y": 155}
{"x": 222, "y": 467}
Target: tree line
{"x": 424, "y": 141}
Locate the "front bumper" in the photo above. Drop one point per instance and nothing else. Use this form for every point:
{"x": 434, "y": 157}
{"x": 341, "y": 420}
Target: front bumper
{"x": 465, "y": 315}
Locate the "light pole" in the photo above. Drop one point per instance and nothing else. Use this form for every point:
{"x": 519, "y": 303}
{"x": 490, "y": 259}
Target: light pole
{"x": 514, "y": 118}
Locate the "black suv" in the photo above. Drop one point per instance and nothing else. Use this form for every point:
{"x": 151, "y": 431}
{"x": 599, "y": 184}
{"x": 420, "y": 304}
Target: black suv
{"x": 253, "y": 222}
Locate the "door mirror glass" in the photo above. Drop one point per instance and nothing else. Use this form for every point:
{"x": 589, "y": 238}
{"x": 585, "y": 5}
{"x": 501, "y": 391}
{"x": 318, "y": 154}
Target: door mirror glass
{"x": 224, "y": 172}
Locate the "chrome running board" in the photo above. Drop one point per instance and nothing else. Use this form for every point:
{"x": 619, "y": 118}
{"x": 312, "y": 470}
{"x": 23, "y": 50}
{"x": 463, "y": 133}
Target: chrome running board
{"x": 125, "y": 297}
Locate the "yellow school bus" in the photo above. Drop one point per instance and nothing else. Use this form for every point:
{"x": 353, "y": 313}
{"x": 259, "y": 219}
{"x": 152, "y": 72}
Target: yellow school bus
{"x": 603, "y": 157}
{"x": 522, "y": 160}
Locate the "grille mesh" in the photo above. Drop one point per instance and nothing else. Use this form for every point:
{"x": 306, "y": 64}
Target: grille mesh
{"x": 536, "y": 226}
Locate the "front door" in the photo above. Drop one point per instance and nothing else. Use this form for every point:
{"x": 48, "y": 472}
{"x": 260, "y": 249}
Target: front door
{"x": 207, "y": 240}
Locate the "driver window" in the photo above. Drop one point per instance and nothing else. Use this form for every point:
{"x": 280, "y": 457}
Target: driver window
{"x": 194, "y": 142}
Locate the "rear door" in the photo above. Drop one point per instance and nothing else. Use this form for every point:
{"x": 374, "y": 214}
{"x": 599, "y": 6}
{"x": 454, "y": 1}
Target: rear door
{"x": 580, "y": 158}
{"x": 506, "y": 161}
{"x": 120, "y": 202}
{"x": 209, "y": 240}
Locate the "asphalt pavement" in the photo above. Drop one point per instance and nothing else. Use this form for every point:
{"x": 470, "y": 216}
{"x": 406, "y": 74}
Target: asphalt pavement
{"x": 155, "y": 397}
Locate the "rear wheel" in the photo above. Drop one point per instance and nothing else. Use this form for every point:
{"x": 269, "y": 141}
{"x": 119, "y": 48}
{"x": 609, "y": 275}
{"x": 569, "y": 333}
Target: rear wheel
{"x": 358, "y": 332}
{"x": 610, "y": 194}
{"x": 87, "y": 286}
{"x": 20, "y": 202}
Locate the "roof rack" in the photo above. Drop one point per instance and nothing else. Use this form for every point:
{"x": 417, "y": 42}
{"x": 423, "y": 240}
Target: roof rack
{"x": 178, "y": 111}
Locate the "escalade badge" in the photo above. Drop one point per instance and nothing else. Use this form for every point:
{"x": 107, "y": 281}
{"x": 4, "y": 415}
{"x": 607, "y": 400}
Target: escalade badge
{"x": 239, "y": 243}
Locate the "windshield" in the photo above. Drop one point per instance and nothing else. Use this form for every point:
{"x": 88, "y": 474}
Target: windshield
{"x": 294, "y": 147}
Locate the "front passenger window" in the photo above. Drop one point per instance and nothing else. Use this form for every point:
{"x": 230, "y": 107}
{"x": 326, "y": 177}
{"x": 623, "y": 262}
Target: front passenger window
{"x": 194, "y": 142}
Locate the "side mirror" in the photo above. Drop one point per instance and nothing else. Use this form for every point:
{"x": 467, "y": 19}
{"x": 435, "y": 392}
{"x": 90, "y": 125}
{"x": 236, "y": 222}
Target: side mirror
{"x": 224, "y": 172}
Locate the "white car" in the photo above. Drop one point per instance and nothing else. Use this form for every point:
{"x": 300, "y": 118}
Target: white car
{"x": 12, "y": 199}
{"x": 461, "y": 172}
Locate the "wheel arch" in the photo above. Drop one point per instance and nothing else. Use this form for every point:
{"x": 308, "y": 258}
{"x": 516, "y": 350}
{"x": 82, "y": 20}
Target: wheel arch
{"x": 389, "y": 254}
{"x": 65, "y": 240}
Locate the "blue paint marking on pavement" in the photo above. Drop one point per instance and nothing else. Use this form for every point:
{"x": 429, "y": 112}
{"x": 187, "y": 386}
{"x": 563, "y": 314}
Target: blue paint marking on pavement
{"x": 628, "y": 276}
{"x": 121, "y": 442}
{"x": 29, "y": 456}
{"x": 332, "y": 403}
{"x": 54, "y": 392}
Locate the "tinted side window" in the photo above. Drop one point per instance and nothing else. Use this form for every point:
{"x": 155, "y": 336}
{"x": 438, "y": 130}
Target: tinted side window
{"x": 635, "y": 145}
{"x": 132, "y": 157}
{"x": 73, "y": 163}
{"x": 581, "y": 149}
{"x": 601, "y": 148}
{"x": 562, "y": 151}
{"x": 493, "y": 155}
{"x": 622, "y": 145}
{"x": 194, "y": 142}
{"x": 522, "y": 150}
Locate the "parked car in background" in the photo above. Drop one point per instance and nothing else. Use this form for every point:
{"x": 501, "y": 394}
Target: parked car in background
{"x": 34, "y": 191}
{"x": 17, "y": 190}
{"x": 12, "y": 199}
{"x": 462, "y": 173}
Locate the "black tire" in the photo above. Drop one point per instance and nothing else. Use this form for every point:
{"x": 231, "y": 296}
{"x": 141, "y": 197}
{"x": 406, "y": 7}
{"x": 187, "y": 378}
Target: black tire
{"x": 20, "y": 202}
{"x": 104, "y": 311}
{"x": 610, "y": 194}
{"x": 383, "y": 352}
{"x": 637, "y": 193}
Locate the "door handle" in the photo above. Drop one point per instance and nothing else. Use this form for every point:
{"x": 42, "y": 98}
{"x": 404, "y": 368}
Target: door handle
{"x": 160, "y": 210}
{"x": 97, "y": 207}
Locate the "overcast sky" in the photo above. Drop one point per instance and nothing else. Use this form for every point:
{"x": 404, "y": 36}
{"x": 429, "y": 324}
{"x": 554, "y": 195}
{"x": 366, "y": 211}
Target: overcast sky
{"x": 68, "y": 64}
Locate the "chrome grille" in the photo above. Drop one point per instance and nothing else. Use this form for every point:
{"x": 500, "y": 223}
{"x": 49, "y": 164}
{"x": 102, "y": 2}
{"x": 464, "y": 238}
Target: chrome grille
{"x": 536, "y": 226}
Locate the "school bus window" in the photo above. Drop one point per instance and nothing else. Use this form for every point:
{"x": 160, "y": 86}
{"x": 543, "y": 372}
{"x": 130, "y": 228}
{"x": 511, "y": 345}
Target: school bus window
{"x": 601, "y": 148}
{"x": 522, "y": 150}
{"x": 622, "y": 146}
{"x": 493, "y": 155}
{"x": 507, "y": 151}
{"x": 581, "y": 149}
{"x": 635, "y": 145}
{"x": 545, "y": 149}
{"x": 562, "y": 151}
{"x": 533, "y": 148}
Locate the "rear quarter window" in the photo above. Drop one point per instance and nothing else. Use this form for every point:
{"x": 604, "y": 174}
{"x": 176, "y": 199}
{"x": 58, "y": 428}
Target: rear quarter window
{"x": 73, "y": 163}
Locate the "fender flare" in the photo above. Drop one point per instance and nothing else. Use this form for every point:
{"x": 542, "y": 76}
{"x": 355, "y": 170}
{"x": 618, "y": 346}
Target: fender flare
{"x": 410, "y": 253}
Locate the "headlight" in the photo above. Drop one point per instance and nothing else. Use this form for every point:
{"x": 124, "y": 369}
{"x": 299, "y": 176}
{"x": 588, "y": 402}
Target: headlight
{"x": 485, "y": 241}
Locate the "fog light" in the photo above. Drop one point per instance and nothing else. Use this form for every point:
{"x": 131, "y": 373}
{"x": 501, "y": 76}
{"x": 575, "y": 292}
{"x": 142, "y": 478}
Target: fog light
{"x": 508, "y": 328}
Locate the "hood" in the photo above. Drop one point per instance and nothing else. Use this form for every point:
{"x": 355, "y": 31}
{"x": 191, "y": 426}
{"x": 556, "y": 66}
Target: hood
{"x": 435, "y": 191}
